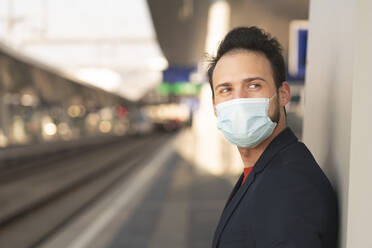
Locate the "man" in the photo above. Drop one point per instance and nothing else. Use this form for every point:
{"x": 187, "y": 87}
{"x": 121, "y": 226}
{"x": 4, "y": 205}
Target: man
{"x": 283, "y": 199}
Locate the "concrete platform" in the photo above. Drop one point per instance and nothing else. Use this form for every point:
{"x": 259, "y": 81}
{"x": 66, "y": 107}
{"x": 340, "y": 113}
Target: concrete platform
{"x": 181, "y": 210}
{"x": 169, "y": 202}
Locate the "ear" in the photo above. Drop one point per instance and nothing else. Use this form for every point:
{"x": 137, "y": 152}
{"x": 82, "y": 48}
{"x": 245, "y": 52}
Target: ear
{"x": 214, "y": 107}
{"x": 284, "y": 94}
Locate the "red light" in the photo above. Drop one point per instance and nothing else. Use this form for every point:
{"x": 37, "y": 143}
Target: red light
{"x": 121, "y": 112}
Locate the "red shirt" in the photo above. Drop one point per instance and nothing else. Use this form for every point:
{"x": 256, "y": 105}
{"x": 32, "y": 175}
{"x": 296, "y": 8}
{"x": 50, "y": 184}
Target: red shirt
{"x": 247, "y": 170}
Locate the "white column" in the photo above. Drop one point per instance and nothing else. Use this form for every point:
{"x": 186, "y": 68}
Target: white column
{"x": 360, "y": 172}
{"x": 338, "y": 108}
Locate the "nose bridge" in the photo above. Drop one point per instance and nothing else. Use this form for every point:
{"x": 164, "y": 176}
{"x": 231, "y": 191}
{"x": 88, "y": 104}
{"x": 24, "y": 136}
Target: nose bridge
{"x": 240, "y": 92}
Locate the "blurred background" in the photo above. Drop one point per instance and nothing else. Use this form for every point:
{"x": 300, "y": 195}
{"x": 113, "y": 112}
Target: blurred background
{"x": 93, "y": 91}
{"x": 75, "y": 69}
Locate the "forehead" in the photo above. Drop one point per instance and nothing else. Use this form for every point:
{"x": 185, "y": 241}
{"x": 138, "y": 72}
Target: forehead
{"x": 241, "y": 64}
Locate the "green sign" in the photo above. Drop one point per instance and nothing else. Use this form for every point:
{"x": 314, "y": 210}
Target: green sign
{"x": 179, "y": 88}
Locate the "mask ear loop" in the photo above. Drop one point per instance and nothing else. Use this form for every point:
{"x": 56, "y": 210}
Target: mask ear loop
{"x": 277, "y": 94}
{"x": 285, "y": 111}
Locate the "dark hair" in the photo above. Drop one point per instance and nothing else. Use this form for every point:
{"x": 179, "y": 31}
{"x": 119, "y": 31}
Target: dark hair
{"x": 252, "y": 39}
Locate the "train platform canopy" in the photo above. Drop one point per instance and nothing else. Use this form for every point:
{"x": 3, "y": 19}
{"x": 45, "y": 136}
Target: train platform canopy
{"x": 110, "y": 44}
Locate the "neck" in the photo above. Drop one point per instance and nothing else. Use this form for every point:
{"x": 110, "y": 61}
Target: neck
{"x": 251, "y": 155}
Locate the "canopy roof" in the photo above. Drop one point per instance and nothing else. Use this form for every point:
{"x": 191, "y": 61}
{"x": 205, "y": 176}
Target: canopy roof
{"x": 111, "y": 44}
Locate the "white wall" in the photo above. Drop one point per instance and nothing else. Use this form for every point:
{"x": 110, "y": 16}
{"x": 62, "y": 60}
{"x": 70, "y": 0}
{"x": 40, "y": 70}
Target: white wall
{"x": 360, "y": 178}
{"x": 337, "y": 117}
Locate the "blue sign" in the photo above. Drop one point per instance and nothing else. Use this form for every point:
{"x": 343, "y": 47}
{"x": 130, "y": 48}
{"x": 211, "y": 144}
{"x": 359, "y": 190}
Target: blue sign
{"x": 177, "y": 74}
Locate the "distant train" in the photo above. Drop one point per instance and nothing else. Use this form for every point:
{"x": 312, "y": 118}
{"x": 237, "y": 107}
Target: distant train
{"x": 40, "y": 104}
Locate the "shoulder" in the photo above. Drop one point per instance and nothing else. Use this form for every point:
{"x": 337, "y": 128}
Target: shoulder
{"x": 294, "y": 172}
{"x": 298, "y": 164}
{"x": 293, "y": 188}
{"x": 288, "y": 184}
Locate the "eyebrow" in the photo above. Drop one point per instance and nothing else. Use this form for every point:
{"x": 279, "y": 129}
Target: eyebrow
{"x": 245, "y": 80}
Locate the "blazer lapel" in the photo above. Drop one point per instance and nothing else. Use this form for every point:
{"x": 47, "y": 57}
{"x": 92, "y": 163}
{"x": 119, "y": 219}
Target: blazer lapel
{"x": 285, "y": 138}
{"x": 231, "y": 204}
{"x": 235, "y": 189}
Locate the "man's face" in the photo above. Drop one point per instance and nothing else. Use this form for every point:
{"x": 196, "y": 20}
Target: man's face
{"x": 244, "y": 74}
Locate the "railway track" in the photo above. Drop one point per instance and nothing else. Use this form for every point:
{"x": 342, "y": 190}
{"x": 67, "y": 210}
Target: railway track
{"x": 72, "y": 188}
{"x": 17, "y": 168}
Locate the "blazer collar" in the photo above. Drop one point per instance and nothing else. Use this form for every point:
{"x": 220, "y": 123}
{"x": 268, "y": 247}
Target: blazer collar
{"x": 282, "y": 140}
{"x": 235, "y": 189}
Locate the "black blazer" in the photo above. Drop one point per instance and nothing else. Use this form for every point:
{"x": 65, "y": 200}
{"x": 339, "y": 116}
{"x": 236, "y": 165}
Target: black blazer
{"x": 286, "y": 201}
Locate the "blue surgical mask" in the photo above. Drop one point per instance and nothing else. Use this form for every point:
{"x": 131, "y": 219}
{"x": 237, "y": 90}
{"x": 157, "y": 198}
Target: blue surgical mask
{"x": 245, "y": 121}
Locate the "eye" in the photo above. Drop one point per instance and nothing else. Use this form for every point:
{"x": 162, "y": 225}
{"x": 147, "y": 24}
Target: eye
{"x": 224, "y": 90}
{"x": 254, "y": 86}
